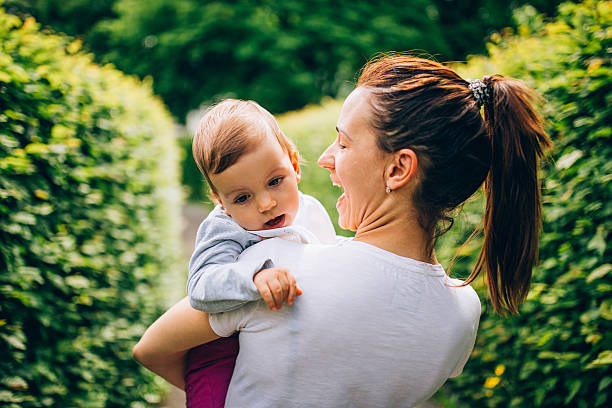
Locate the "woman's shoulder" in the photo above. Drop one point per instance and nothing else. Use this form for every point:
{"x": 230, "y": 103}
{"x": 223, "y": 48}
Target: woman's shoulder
{"x": 465, "y": 295}
{"x": 286, "y": 253}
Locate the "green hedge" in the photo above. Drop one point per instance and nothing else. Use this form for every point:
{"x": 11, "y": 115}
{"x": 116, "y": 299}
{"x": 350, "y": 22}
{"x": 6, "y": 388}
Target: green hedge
{"x": 558, "y": 351}
{"x": 89, "y": 219}
{"x": 192, "y": 180}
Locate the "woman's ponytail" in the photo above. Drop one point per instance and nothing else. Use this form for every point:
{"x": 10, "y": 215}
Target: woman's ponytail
{"x": 512, "y": 218}
{"x": 427, "y": 107}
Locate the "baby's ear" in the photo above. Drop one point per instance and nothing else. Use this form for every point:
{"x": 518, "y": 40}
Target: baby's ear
{"x": 218, "y": 201}
{"x": 216, "y": 198}
{"x": 295, "y": 161}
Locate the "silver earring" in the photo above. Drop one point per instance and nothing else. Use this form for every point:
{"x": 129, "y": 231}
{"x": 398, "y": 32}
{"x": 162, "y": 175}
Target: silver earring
{"x": 387, "y": 189}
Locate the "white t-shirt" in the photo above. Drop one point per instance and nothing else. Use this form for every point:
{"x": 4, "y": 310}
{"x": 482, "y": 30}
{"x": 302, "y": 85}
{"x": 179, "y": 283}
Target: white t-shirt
{"x": 372, "y": 329}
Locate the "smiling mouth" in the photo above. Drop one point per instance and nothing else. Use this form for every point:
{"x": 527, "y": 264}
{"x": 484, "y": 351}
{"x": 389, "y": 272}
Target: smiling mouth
{"x": 276, "y": 222}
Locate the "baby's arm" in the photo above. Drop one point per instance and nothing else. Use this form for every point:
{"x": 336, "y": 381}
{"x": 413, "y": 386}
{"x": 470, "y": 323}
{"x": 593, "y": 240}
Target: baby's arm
{"x": 218, "y": 283}
{"x": 164, "y": 346}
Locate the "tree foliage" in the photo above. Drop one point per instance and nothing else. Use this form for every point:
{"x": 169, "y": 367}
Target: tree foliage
{"x": 283, "y": 54}
{"x": 558, "y": 351}
{"x": 88, "y": 222}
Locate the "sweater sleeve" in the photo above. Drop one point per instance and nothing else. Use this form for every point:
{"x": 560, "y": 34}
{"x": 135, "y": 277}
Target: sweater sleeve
{"x": 217, "y": 282}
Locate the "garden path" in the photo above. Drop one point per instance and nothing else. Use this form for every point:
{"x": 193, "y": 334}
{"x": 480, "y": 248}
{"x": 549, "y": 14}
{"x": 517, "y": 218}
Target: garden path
{"x": 193, "y": 214}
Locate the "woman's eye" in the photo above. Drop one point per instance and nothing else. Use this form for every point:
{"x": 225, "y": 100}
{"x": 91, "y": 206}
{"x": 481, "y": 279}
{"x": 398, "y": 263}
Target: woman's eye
{"x": 241, "y": 199}
{"x": 275, "y": 182}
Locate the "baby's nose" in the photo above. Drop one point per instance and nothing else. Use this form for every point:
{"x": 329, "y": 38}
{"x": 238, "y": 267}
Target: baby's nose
{"x": 266, "y": 202}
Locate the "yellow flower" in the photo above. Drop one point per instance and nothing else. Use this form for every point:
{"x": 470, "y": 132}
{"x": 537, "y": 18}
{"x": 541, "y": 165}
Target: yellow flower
{"x": 594, "y": 64}
{"x": 500, "y": 369}
{"x": 73, "y": 142}
{"x": 43, "y": 195}
{"x": 491, "y": 382}
{"x": 74, "y": 46}
{"x": 489, "y": 393}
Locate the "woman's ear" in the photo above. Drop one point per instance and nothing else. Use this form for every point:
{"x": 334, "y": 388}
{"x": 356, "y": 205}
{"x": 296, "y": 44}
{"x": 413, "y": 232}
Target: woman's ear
{"x": 403, "y": 169}
{"x": 295, "y": 161}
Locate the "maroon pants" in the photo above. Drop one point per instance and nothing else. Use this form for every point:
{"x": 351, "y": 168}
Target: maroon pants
{"x": 209, "y": 371}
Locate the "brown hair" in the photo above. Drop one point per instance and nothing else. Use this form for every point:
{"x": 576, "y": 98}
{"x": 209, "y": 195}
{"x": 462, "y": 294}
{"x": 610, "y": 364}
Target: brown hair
{"x": 427, "y": 107}
{"x": 229, "y": 130}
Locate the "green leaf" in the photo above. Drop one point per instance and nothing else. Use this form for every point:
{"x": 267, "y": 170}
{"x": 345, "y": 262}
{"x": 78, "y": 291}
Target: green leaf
{"x": 598, "y": 242}
{"x": 24, "y": 218}
{"x": 603, "y": 358}
{"x": 15, "y": 383}
{"x": 604, "y": 383}
{"x": 16, "y": 340}
{"x": 599, "y": 272}
{"x": 574, "y": 387}
{"x": 77, "y": 282}
{"x": 606, "y": 309}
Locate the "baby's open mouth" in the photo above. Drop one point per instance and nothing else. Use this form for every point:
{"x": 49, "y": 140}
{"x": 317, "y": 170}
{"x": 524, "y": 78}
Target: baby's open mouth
{"x": 276, "y": 222}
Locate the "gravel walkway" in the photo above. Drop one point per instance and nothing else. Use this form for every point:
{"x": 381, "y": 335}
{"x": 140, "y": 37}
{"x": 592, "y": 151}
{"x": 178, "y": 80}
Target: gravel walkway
{"x": 192, "y": 216}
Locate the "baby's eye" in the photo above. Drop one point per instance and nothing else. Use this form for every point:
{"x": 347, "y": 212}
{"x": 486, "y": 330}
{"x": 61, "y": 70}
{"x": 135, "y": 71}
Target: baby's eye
{"x": 275, "y": 182}
{"x": 241, "y": 199}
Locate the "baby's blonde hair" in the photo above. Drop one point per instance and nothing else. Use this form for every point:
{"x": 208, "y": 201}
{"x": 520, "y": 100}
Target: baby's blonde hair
{"x": 230, "y": 129}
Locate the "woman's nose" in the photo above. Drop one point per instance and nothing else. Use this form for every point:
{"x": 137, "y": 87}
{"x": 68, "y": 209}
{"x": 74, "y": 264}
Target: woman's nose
{"x": 326, "y": 160}
{"x": 265, "y": 202}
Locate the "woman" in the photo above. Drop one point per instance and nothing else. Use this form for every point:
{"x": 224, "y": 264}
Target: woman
{"x": 380, "y": 323}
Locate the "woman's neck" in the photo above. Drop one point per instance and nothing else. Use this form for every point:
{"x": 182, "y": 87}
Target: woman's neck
{"x": 396, "y": 231}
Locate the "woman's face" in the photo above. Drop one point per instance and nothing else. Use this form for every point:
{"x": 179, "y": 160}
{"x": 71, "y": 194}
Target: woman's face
{"x": 355, "y": 161}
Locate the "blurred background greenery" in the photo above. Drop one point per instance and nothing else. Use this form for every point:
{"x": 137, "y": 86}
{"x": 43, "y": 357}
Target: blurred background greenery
{"x": 284, "y": 54}
{"x": 95, "y": 126}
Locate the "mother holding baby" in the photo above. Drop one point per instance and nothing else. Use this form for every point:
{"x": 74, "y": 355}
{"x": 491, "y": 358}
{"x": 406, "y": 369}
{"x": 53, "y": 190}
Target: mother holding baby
{"x": 380, "y": 323}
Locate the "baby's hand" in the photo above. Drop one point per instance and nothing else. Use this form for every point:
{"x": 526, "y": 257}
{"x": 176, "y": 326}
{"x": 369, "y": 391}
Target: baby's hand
{"x": 276, "y": 285}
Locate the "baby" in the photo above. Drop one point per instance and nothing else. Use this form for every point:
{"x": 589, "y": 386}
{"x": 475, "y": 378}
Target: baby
{"x": 252, "y": 170}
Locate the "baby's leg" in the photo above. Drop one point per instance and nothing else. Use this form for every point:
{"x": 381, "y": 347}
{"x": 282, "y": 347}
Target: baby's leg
{"x": 164, "y": 346}
{"x": 209, "y": 371}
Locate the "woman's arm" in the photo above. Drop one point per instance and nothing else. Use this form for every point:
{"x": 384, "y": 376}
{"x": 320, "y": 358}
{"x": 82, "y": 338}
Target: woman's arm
{"x": 164, "y": 346}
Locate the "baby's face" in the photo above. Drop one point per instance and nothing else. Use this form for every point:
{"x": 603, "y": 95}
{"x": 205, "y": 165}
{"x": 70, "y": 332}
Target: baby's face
{"x": 260, "y": 190}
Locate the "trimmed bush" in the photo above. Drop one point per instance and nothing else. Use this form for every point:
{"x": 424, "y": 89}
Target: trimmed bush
{"x": 89, "y": 219}
{"x": 192, "y": 180}
{"x": 558, "y": 351}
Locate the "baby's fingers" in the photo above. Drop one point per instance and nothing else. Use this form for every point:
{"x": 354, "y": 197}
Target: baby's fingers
{"x": 266, "y": 295}
{"x": 278, "y": 292}
{"x": 293, "y": 288}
